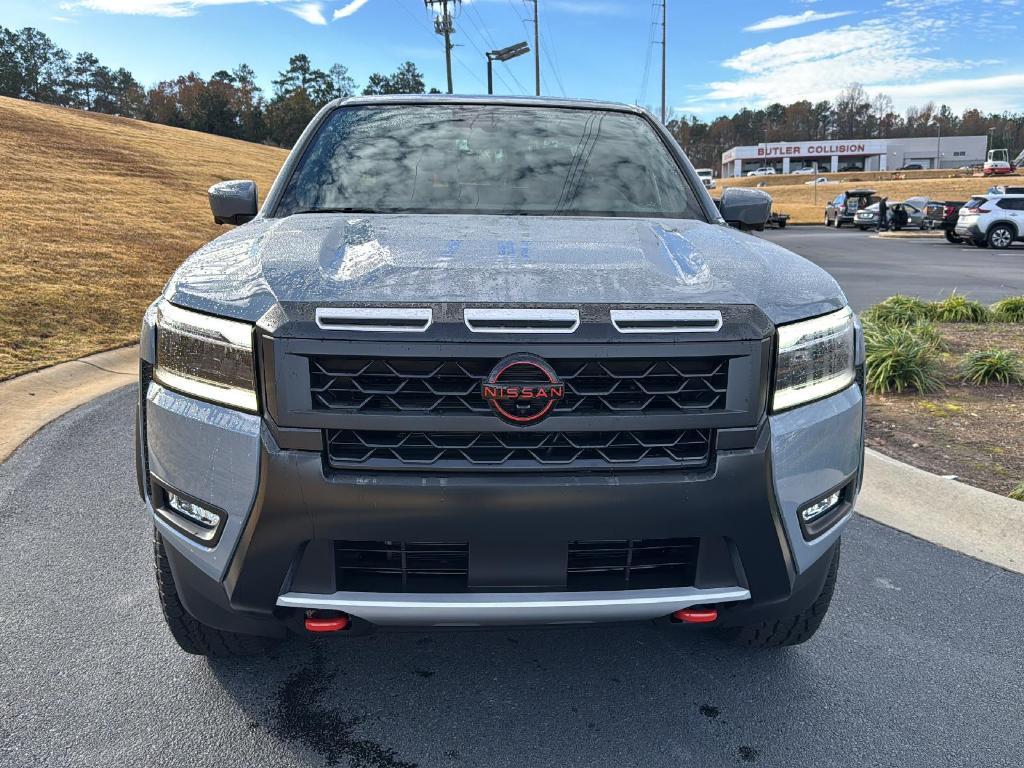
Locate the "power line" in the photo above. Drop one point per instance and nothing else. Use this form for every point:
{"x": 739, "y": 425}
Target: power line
{"x": 488, "y": 40}
{"x": 552, "y": 57}
{"x": 536, "y": 37}
{"x": 650, "y": 47}
{"x": 551, "y": 63}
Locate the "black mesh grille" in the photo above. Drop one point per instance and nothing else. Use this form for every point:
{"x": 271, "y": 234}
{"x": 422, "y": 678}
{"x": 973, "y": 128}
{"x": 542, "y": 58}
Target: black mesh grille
{"x": 519, "y": 450}
{"x": 397, "y": 566}
{"x": 421, "y": 385}
{"x": 632, "y": 564}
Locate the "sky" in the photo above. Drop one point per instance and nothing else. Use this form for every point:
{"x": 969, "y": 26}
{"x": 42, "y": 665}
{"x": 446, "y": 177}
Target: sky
{"x": 722, "y": 56}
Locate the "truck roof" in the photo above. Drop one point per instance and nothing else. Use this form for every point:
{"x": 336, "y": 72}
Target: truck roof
{"x": 534, "y": 101}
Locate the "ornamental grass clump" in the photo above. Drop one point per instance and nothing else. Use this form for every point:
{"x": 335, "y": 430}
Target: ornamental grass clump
{"x": 898, "y": 310}
{"x": 957, "y": 308}
{"x": 899, "y": 358}
{"x": 1009, "y": 310}
{"x": 985, "y": 366}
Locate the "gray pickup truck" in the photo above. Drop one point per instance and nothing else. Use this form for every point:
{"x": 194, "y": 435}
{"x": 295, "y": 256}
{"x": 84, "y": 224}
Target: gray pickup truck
{"x": 482, "y": 361}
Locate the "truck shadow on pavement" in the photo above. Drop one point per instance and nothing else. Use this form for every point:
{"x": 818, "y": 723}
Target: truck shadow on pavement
{"x": 621, "y": 695}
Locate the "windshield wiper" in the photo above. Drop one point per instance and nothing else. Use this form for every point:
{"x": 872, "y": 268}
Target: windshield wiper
{"x": 343, "y": 210}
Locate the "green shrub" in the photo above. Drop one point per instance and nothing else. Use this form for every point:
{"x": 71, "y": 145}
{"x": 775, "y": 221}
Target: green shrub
{"x": 1018, "y": 493}
{"x": 929, "y": 334}
{"x": 957, "y": 308}
{"x": 1009, "y": 310}
{"x": 898, "y": 310}
{"x": 993, "y": 365}
{"x": 899, "y": 358}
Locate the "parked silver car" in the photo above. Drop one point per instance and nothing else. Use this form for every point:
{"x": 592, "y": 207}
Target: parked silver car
{"x": 867, "y": 218}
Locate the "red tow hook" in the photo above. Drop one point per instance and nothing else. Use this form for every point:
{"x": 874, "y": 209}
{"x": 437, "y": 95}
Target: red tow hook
{"x": 702, "y": 615}
{"x": 315, "y": 623}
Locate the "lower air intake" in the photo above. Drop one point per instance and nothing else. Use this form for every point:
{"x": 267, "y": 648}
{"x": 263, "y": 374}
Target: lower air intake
{"x": 632, "y": 564}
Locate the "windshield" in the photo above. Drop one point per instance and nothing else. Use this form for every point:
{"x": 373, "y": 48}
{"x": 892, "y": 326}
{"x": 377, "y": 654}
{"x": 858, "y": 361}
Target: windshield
{"x": 441, "y": 158}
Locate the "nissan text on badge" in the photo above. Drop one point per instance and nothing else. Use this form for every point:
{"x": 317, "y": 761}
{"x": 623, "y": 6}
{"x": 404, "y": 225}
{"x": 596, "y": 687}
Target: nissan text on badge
{"x": 483, "y": 362}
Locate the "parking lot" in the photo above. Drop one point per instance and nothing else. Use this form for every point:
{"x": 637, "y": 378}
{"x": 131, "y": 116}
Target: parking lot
{"x": 918, "y": 663}
{"x": 870, "y": 268}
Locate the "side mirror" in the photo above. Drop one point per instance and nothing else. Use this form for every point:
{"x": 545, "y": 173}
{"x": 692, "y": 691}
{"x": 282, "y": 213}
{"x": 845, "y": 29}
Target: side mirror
{"x": 745, "y": 208}
{"x": 233, "y": 202}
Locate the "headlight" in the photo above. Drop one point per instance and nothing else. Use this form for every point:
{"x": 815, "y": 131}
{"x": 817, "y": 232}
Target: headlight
{"x": 205, "y": 356}
{"x": 815, "y": 359}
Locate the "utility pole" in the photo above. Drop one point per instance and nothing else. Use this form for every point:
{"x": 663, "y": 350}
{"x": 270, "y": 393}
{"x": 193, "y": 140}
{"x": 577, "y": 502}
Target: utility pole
{"x": 536, "y": 45}
{"x": 444, "y": 25}
{"x": 664, "y": 56}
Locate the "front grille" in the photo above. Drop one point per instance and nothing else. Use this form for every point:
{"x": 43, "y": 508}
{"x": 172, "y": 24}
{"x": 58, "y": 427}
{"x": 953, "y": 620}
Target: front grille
{"x": 367, "y": 385}
{"x": 632, "y": 564}
{"x": 689, "y": 449}
{"x": 397, "y": 566}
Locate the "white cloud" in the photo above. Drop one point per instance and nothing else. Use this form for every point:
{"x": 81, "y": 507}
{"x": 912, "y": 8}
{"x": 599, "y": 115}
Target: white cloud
{"x": 311, "y": 12}
{"x": 349, "y": 9}
{"x": 587, "y": 7}
{"x": 307, "y": 11}
{"x": 169, "y": 8}
{"x": 886, "y": 55}
{"x": 781, "y": 22}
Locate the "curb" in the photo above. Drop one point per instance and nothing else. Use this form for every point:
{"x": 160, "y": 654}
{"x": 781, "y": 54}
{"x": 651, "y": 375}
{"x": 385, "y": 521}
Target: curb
{"x": 925, "y": 234}
{"x": 945, "y": 512}
{"x": 32, "y": 401}
{"x": 953, "y": 515}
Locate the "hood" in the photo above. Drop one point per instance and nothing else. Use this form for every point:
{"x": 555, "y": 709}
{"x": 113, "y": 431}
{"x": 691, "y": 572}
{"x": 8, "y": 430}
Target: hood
{"x": 339, "y": 259}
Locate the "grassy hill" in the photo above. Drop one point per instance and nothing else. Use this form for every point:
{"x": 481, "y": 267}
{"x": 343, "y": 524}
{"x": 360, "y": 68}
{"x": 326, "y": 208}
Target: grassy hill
{"x": 96, "y": 213}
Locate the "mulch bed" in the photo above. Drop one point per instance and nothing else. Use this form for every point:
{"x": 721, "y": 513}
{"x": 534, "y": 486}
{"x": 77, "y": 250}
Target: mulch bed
{"x": 973, "y": 432}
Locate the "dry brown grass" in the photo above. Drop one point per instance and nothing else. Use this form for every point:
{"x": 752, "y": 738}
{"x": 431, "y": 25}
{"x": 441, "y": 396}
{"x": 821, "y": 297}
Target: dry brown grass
{"x": 790, "y": 194}
{"x": 95, "y": 214}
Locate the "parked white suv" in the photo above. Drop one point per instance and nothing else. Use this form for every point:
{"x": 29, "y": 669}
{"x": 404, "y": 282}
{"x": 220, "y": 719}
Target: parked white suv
{"x": 707, "y": 177}
{"x": 992, "y": 220}
{"x": 766, "y": 170}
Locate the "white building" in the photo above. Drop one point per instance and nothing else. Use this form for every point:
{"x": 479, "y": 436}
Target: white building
{"x": 837, "y": 155}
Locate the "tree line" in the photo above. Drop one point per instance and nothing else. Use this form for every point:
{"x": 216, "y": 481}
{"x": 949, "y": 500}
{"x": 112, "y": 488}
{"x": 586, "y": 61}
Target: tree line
{"x": 229, "y": 103}
{"x": 853, "y": 114}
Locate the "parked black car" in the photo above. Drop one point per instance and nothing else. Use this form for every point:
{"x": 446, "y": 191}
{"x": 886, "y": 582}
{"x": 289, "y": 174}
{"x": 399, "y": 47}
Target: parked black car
{"x": 844, "y": 207}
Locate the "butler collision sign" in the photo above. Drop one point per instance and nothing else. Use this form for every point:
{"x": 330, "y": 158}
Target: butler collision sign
{"x": 804, "y": 150}
{"x": 860, "y": 154}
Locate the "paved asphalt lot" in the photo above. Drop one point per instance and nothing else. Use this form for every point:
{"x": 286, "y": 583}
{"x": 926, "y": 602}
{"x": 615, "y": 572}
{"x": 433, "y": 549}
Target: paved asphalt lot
{"x": 870, "y": 268}
{"x": 919, "y": 663}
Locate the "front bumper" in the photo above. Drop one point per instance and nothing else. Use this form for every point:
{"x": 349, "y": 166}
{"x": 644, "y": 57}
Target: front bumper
{"x": 285, "y": 509}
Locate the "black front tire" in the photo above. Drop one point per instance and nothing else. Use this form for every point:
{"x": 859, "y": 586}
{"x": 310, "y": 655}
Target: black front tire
{"x": 790, "y": 630}
{"x": 193, "y": 636}
{"x": 1000, "y": 237}
{"x": 955, "y": 239}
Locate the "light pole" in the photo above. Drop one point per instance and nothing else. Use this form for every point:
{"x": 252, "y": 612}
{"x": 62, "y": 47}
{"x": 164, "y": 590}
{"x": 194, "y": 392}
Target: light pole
{"x": 938, "y": 145}
{"x": 503, "y": 54}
